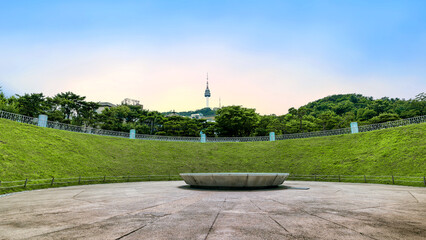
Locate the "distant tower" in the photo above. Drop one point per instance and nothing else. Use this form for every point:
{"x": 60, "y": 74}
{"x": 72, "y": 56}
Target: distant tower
{"x": 207, "y": 92}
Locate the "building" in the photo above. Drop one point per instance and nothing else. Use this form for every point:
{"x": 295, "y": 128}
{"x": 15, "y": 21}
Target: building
{"x": 210, "y": 119}
{"x": 103, "y": 105}
{"x": 131, "y": 102}
{"x": 126, "y": 101}
{"x": 207, "y": 92}
{"x": 173, "y": 113}
{"x": 197, "y": 116}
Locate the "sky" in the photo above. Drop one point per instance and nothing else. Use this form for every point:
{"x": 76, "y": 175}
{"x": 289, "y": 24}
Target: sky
{"x": 268, "y": 55}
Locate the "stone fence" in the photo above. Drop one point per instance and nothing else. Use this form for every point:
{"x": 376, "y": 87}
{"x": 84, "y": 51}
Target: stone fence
{"x": 42, "y": 121}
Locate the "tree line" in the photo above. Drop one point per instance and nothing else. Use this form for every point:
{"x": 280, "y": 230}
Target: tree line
{"x": 332, "y": 112}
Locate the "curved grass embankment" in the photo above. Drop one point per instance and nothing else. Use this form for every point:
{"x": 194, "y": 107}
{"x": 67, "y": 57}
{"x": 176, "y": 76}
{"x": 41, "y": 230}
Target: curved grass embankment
{"x": 28, "y": 151}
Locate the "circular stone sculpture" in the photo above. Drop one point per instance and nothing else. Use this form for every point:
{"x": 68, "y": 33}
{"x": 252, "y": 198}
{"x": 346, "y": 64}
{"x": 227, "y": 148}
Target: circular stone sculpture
{"x": 234, "y": 180}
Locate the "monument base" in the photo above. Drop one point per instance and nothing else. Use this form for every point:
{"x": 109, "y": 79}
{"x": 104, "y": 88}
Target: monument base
{"x": 234, "y": 180}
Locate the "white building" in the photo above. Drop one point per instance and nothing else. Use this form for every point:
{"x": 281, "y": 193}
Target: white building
{"x": 103, "y": 105}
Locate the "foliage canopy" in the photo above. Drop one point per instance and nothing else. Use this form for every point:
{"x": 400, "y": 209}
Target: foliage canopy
{"x": 331, "y": 112}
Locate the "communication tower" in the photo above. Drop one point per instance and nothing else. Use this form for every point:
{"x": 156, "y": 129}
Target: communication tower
{"x": 207, "y": 92}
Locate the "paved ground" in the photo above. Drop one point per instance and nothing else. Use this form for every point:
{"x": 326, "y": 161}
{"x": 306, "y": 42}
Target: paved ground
{"x": 168, "y": 210}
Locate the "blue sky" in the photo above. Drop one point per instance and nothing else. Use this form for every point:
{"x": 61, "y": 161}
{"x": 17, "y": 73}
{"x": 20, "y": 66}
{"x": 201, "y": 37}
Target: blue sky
{"x": 268, "y": 55}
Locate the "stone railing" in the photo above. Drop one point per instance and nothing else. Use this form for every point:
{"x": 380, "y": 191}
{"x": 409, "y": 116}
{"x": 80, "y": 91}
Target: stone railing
{"x": 43, "y": 122}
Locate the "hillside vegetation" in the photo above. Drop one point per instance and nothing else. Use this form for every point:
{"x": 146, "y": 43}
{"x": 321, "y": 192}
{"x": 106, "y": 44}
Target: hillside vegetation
{"x": 207, "y": 112}
{"x": 331, "y": 112}
{"x": 28, "y": 151}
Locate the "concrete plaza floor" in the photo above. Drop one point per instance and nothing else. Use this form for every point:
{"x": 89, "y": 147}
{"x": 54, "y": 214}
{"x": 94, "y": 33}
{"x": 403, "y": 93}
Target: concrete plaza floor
{"x": 171, "y": 210}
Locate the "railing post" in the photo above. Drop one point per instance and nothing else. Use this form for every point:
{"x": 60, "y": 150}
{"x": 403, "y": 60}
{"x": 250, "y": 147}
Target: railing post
{"x": 365, "y": 179}
{"x": 104, "y": 178}
{"x": 315, "y": 177}
{"x": 202, "y": 137}
{"x": 339, "y": 178}
{"x": 424, "y": 180}
{"x": 25, "y": 184}
{"x": 79, "y": 179}
{"x": 132, "y": 134}
{"x": 42, "y": 120}
{"x": 354, "y": 127}
{"x": 272, "y": 136}
{"x": 393, "y": 181}
{"x": 53, "y": 181}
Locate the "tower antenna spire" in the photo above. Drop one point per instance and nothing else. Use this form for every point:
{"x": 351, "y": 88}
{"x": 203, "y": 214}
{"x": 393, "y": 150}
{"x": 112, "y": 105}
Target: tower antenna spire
{"x": 207, "y": 91}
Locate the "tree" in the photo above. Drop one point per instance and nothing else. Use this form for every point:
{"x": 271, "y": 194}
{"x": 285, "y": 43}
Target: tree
{"x": 3, "y": 100}
{"x": 381, "y": 105}
{"x": 347, "y": 118}
{"x": 32, "y": 104}
{"x": 154, "y": 120}
{"x": 298, "y": 113}
{"x": 292, "y": 126}
{"x": 205, "y": 111}
{"x": 420, "y": 103}
{"x": 310, "y": 124}
{"x": 87, "y": 113}
{"x": 114, "y": 118}
{"x": 364, "y": 114}
{"x": 236, "y": 121}
{"x": 68, "y": 103}
{"x": 343, "y": 107}
{"x": 327, "y": 120}
{"x": 55, "y": 116}
{"x": 267, "y": 124}
{"x": 182, "y": 126}
{"x": 210, "y": 129}
{"x": 9, "y": 104}
{"x": 384, "y": 117}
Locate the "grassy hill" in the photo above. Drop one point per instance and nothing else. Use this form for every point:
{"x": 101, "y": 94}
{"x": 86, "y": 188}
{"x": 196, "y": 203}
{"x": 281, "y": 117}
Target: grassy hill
{"x": 28, "y": 151}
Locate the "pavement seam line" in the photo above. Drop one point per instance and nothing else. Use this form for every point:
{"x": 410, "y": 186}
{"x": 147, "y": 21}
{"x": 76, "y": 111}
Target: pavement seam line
{"x": 118, "y": 215}
{"x": 85, "y": 224}
{"x": 131, "y": 232}
{"x": 380, "y": 206}
{"x": 338, "y": 224}
{"x": 73, "y": 197}
{"x": 139, "y": 228}
{"x": 279, "y": 224}
{"x": 214, "y": 221}
{"x": 413, "y": 196}
{"x": 273, "y": 219}
{"x": 127, "y": 234}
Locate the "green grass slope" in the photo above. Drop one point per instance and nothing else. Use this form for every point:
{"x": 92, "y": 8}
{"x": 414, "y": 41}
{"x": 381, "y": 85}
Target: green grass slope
{"x": 32, "y": 152}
